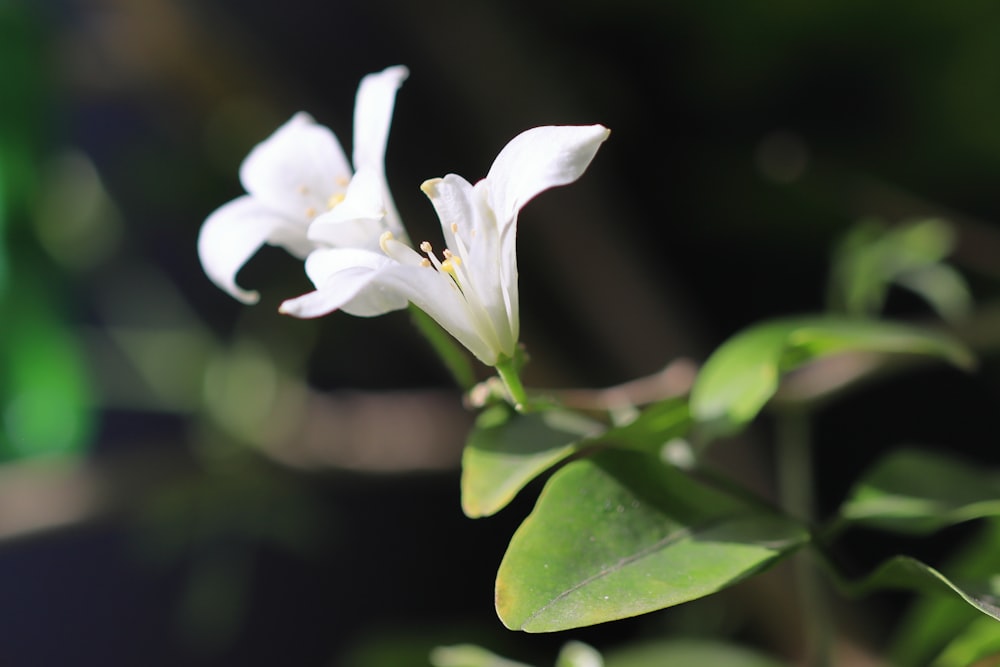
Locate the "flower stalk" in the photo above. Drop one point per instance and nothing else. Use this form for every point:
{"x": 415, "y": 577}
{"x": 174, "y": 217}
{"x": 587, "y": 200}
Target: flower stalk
{"x": 507, "y": 370}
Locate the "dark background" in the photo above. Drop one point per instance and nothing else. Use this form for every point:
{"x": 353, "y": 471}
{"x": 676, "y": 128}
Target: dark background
{"x": 250, "y": 489}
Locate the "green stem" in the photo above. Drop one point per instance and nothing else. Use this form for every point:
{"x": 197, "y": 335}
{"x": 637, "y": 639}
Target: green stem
{"x": 795, "y": 486}
{"x": 512, "y": 381}
{"x": 795, "y": 464}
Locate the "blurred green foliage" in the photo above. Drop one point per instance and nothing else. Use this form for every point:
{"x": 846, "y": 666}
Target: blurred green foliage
{"x": 46, "y": 396}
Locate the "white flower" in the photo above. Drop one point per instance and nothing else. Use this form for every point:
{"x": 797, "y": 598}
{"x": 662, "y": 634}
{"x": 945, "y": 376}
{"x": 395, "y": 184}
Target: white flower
{"x": 471, "y": 289}
{"x": 299, "y": 179}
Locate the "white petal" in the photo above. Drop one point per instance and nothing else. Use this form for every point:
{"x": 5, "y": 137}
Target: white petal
{"x": 230, "y": 236}
{"x": 508, "y": 278}
{"x": 455, "y": 204}
{"x": 297, "y": 169}
{"x": 389, "y": 285}
{"x": 436, "y": 295}
{"x": 339, "y": 275}
{"x": 373, "y": 114}
{"x": 401, "y": 252}
{"x": 367, "y": 284}
{"x": 339, "y": 271}
{"x": 357, "y": 221}
{"x": 464, "y": 214}
{"x": 324, "y": 264}
{"x": 361, "y": 233}
{"x": 376, "y": 300}
{"x": 292, "y": 237}
{"x": 324, "y": 301}
{"x": 538, "y": 159}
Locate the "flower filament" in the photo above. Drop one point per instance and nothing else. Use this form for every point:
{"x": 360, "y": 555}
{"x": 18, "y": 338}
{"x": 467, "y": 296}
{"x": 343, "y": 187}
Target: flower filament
{"x": 456, "y": 270}
{"x": 451, "y": 265}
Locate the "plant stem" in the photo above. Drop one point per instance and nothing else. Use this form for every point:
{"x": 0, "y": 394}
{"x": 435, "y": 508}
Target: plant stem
{"x": 795, "y": 464}
{"x": 512, "y": 381}
{"x": 795, "y": 485}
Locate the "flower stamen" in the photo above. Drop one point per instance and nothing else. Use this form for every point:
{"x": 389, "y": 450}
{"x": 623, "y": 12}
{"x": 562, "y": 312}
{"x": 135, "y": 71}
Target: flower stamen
{"x": 450, "y": 265}
{"x": 428, "y": 250}
{"x": 462, "y": 250}
{"x": 384, "y": 240}
{"x": 334, "y": 200}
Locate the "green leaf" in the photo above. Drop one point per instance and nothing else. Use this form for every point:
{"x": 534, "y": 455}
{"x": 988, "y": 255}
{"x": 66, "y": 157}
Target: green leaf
{"x": 743, "y": 373}
{"x": 904, "y": 572}
{"x": 934, "y": 622}
{"x": 656, "y": 425}
{"x": 469, "y": 655}
{"x": 506, "y": 450}
{"x": 872, "y": 257}
{"x": 621, "y": 534}
{"x": 944, "y": 620}
{"x": 941, "y": 286}
{"x": 978, "y": 640}
{"x": 919, "y": 492}
{"x": 930, "y": 626}
{"x": 684, "y": 652}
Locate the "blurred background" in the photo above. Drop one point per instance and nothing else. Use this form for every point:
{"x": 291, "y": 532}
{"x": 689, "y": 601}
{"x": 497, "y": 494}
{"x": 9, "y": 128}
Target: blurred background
{"x": 186, "y": 480}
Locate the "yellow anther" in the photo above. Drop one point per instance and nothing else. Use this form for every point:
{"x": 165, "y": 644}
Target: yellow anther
{"x": 310, "y": 212}
{"x": 334, "y": 200}
{"x": 454, "y": 228}
{"x": 342, "y": 181}
{"x": 457, "y": 261}
{"x": 448, "y": 265}
{"x": 426, "y": 247}
{"x": 383, "y": 240}
{"x": 425, "y": 262}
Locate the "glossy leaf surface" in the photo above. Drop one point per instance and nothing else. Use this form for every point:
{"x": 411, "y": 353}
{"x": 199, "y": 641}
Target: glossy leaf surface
{"x": 621, "y": 534}
{"x": 655, "y": 425}
{"x": 904, "y": 572}
{"x": 935, "y": 622}
{"x": 507, "y": 450}
{"x": 743, "y": 374}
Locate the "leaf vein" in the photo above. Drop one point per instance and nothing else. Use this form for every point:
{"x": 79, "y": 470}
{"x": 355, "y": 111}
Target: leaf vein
{"x": 627, "y": 560}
